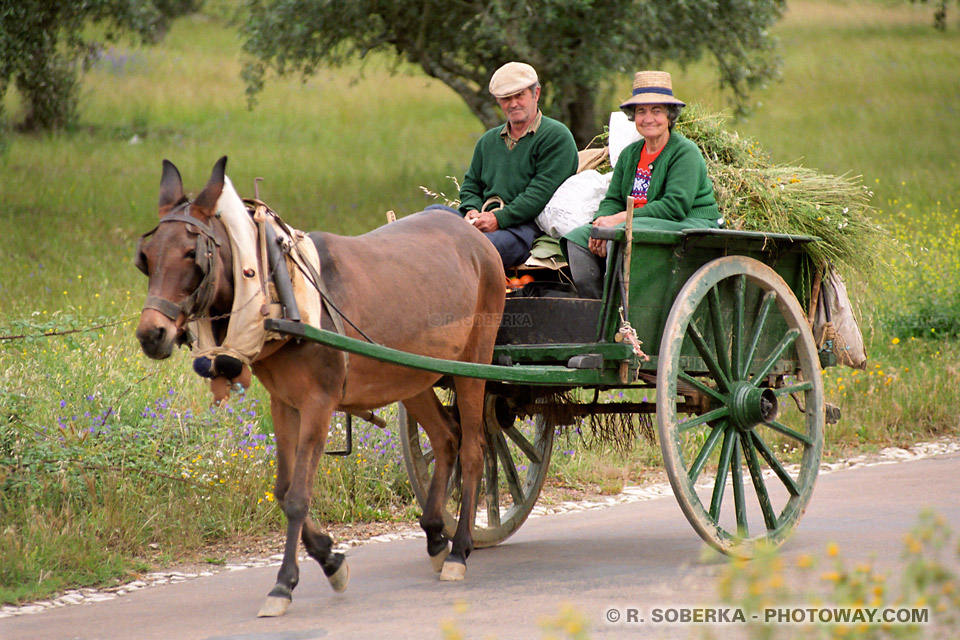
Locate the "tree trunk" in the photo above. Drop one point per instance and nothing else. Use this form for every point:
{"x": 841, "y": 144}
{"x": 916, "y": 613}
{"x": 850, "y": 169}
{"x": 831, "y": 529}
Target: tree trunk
{"x": 580, "y": 113}
{"x": 50, "y": 91}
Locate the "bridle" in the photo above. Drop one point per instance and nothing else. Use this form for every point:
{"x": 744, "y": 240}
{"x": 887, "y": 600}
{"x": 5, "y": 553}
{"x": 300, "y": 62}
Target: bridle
{"x": 200, "y": 300}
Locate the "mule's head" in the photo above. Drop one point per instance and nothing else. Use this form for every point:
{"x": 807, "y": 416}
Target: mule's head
{"x": 186, "y": 258}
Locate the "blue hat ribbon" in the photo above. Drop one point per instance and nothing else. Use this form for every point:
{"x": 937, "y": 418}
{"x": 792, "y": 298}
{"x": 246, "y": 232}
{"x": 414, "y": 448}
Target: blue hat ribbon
{"x": 666, "y": 92}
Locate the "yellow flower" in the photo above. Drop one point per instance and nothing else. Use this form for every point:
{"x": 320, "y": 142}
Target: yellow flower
{"x": 833, "y": 549}
{"x": 805, "y": 561}
{"x": 895, "y": 341}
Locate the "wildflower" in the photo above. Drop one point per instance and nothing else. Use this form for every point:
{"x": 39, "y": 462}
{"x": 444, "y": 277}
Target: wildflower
{"x": 895, "y": 341}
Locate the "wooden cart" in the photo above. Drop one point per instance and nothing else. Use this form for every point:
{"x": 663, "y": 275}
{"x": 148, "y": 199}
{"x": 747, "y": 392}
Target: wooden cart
{"x": 726, "y": 360}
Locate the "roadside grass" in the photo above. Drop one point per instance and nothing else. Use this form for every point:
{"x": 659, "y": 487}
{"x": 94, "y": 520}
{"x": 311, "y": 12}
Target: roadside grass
{"x": 110, "y": 462}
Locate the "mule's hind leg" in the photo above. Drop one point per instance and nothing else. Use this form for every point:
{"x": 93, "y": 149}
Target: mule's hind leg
{"x": 426, "y": 409}
{"x": 300, "y": 435}
{"x": 320, "y": 547}
{"x": 470, "y": 402}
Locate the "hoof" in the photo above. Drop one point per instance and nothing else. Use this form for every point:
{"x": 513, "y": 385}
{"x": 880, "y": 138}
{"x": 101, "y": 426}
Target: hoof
{"x": 340, "y": 579}
{"x": 273, "y": 607}
{"x": 453, "y": 571}
{"x": 438, "y": 560}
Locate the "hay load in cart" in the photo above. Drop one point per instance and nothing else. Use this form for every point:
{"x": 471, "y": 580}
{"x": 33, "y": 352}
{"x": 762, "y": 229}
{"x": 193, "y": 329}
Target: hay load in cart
{"x": 721, "y": 334}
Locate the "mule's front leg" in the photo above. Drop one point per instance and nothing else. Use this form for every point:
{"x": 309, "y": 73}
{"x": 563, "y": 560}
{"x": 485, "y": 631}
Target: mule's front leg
{"x": 300, "y": 438}
{"x": 320, "y": 547}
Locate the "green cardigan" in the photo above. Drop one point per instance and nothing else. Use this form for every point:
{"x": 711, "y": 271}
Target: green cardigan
{"x": 525, "y": 177}
{"x": 680, "y": 195}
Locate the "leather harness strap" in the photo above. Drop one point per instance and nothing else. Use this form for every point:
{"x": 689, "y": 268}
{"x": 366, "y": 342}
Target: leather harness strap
{"x": 206, "y": 260}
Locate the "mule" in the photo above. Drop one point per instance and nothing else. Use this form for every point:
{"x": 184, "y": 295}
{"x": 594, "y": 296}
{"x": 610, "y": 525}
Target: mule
{"x": 429, "y": 283}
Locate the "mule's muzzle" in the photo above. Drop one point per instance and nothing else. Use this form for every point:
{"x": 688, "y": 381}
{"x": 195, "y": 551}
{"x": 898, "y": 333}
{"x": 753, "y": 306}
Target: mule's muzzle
{"x": 156, "y": 337}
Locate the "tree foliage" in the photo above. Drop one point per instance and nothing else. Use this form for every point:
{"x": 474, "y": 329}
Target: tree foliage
{"x": 44, "y": 44}
{"x": 577, "y": 46}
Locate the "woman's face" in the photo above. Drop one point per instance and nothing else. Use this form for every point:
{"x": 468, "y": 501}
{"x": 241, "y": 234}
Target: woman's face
{"x": 651, "y": 120}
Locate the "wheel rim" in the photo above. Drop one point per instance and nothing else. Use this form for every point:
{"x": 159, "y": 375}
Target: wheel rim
{"x": 728, "y": 457}
{"x": 516, "y": 460}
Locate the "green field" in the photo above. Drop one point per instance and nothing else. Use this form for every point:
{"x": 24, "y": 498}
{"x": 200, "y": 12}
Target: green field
{"x": 104, "y": 453}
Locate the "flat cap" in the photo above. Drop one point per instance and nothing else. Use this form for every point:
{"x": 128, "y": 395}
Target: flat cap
{"x": 512, "y": 78}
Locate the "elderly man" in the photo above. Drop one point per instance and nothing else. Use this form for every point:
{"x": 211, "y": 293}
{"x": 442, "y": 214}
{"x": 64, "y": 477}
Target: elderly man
{"x": 516, "y": 167}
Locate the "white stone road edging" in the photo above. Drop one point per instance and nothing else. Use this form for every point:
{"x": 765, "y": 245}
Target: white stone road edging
{"x": 889, "y": 455}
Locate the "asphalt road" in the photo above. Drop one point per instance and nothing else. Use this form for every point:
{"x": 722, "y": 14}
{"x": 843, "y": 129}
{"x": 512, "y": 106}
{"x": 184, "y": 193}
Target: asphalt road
{"x": 638, "y": 555}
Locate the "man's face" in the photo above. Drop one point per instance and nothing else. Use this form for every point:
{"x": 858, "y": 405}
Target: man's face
{"x": 520, "y": 108}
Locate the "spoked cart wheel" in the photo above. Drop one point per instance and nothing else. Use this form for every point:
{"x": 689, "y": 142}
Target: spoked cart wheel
{"x": 740, "y": 405}
{"x": 515, "y": 465}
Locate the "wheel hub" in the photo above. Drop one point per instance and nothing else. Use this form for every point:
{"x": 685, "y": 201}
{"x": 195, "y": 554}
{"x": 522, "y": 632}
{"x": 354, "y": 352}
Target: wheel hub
{"x": 749, "y": 406}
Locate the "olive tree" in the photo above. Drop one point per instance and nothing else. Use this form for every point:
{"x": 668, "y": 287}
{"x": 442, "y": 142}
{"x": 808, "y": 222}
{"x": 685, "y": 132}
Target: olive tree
{"x": 44, "y": 45}
{"x": 577, "y": 46}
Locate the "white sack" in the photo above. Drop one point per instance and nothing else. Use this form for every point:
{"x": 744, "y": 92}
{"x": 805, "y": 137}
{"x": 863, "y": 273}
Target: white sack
{"x": 622, "y": 133}
{"x": 574, "y": 203}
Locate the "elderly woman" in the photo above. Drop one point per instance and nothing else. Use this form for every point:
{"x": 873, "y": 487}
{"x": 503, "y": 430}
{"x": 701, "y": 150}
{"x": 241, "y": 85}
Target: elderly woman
{"x": 664, "y": 172}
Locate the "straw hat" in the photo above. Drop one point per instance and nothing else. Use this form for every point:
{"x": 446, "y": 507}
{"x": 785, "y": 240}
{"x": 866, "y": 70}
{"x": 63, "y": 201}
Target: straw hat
{"x": 512, "y": 78}
{"x": 651, "y": 87}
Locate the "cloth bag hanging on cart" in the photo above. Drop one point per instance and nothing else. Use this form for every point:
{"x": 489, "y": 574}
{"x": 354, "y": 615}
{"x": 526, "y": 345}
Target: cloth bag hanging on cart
{"x": 835, "y": 325}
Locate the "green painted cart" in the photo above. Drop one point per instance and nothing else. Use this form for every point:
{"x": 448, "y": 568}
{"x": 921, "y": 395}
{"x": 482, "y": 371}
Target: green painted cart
{"x": 725, "y": 358}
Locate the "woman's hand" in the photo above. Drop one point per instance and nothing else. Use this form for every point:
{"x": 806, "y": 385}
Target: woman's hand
{"x": 598, "y": 246}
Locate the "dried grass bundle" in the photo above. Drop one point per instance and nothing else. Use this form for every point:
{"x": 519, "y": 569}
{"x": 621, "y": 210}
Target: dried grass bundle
{"x": 756, "y": 195}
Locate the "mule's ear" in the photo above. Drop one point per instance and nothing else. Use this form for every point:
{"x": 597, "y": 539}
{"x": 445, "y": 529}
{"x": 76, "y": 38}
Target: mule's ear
{"x": 171, "y": 188}
{"x": 206, "y": 201}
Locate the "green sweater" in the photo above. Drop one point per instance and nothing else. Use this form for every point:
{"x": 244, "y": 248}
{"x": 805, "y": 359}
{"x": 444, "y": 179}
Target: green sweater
{"x": 524, "y": 177}
{"x": 680, "y": 194}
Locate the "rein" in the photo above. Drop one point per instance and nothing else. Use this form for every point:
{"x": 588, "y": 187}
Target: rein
{"x": 202, "y": 297}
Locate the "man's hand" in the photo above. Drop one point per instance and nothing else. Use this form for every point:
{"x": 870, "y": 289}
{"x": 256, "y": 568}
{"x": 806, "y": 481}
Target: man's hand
{"x": 484, "y": 221}
{"x": 598, "y": 246}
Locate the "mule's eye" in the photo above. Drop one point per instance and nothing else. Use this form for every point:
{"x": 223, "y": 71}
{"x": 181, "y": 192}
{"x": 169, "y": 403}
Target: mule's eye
{"x": 191, "y": 255}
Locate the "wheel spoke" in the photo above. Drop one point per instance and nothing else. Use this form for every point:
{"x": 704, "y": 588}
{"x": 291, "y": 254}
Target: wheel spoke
{"x": 509, "y": 468}
{"x": 768, "y": 300}
{"x": 736, "y": 347}
{"x": 739, "y": 500}
{"x": 708, "y": 358}
{"x": 710, "y": 391}
{"x": 719, "y": 335}
{"x": 492, "y": 488}
{"x": 778, "y": 469}
{"x": 428, "y": 456}
{"x": 705, "y": 451}
{"x": 753, "y": 464}
{"x": 794, "y": 388}
{"x": 716, "y": 414}
{"x": 525, "y": 445}
{"x": 455, "y": 484}
{"x": 720, "y": 484}
{"x": 787, "y": 431}
{"x": 785, "y": 343}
